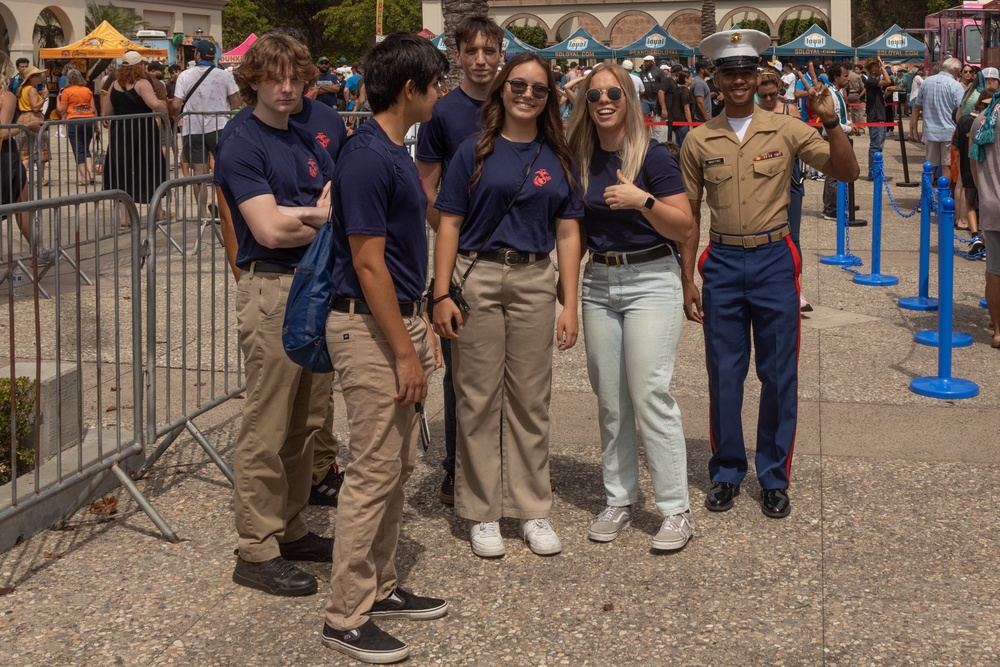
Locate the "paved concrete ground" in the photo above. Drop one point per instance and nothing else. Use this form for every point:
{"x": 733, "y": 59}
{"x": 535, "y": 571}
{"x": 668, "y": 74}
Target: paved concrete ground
{"x": 888, "y": 558}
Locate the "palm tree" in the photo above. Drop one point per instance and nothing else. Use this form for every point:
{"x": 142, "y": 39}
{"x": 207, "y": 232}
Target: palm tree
{"x": 708, "y": 25}
{"x": 48, "y": 33}
{"x": 124, "y": 21}
{"x": 454, "y": 11}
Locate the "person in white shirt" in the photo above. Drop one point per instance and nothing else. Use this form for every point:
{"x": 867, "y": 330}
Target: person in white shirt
{"x": 629, "y": 67}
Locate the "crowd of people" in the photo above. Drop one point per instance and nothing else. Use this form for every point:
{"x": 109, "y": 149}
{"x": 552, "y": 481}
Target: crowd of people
{"x": 523, "y": 172}
{"x": 517, "y": 199}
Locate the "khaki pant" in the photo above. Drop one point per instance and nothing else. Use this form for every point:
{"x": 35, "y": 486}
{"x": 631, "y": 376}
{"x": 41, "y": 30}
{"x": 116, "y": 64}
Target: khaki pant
{"x": 285, "y": 409}
{"x": 383, "y": 445}
{"x": 502, "y": 363}
{"x": 325, "y": 448}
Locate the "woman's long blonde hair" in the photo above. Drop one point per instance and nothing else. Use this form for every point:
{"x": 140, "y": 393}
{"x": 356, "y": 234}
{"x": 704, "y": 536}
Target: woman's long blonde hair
{"x": 582, "y": 136}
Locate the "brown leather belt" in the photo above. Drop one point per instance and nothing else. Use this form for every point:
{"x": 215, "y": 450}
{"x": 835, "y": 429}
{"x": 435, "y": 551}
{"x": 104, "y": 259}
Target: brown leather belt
{"x": 749, "y": 241}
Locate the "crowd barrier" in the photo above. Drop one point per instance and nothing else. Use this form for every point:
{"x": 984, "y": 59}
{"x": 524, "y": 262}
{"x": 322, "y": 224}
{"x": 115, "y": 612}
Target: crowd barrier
{"x": 73, "y": 371}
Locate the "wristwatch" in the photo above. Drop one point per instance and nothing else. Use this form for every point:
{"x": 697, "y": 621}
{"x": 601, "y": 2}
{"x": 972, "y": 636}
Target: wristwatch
{"x": 648, "y": 204}
{"x": 832, "y": 124}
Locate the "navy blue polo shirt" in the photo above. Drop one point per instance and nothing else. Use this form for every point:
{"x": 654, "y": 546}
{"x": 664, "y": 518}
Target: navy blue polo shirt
{"x": 627, "y": 230}
{"x": 329, "y": 99}
{"x": 529, "y": 226}
{"x": 318, "y": 120}
{"x": 258, "y": 160}
{"x": 455, "y": 119}
{"x": 378, "y": 193}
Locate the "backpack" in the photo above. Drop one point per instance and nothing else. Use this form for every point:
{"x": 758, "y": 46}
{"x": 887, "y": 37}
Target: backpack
{"x": 303, "y": 333}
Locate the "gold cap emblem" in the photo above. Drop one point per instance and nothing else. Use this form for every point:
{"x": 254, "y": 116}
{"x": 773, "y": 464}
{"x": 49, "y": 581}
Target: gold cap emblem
{"x": 735, "y": 38}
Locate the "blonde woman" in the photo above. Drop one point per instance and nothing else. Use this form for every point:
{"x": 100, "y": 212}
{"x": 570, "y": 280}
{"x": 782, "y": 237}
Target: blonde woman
{"x": 636, "y": 214}
{"x": 30, "y": 103}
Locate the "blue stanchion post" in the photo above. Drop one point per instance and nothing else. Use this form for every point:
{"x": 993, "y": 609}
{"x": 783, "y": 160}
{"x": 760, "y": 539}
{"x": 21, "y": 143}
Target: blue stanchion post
{"x": 876, "y": 278}
{"x": 842, "y": 258}
{"x": 946, "y": 270}
{"x": 943, "y": 385}
{"x": 943, "y": 192}
{"x": 922, "y": 301}
{"x": 982, "y": 303}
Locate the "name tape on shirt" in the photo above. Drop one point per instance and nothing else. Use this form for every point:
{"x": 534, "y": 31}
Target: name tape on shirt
{"x": 715, "y": 160}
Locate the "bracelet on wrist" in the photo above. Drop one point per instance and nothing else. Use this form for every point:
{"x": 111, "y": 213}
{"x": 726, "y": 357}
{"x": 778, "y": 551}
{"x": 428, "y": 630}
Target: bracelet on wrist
{"x": 832, "y": 124}
{"x": 440, "y": 298}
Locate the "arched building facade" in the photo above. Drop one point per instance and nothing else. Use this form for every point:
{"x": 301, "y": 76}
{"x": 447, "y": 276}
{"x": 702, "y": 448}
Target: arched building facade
{"x": 617, "y": 22}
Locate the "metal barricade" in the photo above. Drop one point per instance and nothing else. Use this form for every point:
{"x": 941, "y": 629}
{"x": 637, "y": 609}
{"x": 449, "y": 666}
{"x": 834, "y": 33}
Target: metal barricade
{"x": 16, "y": 183}
{"x": 193, "y": 361}
{"x": 79, "y": 354}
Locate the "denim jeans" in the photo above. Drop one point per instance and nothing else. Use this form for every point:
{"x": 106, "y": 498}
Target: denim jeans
{"x": 79, "y": 139}
{"x": 876, "y": 141}
{"x": 632, "y": 316}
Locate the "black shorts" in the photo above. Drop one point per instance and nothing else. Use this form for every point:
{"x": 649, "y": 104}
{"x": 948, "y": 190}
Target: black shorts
{"x": 971, "y": 196}
{"x": 196, "y": 147}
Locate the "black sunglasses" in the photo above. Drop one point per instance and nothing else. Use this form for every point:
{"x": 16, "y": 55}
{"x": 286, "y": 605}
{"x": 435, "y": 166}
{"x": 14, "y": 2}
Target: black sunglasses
{"x": 614, "y": 94}
{"x": 538, "y": 91}
{"x": 767, "y": 96}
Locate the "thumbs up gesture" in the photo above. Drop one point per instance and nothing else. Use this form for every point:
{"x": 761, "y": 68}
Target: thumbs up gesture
{"x": 624, "y": 194}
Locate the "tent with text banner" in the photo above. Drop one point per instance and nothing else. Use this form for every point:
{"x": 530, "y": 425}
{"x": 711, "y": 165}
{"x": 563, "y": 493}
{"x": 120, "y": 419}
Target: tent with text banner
{"x": 581, "y": 44}
{"x": 236, "y": 55}
{"x": 814, "y": 42}
{"x": 893, "y": 46}
{"x": 103, "y": 42}
{"x": 658, "y": 43}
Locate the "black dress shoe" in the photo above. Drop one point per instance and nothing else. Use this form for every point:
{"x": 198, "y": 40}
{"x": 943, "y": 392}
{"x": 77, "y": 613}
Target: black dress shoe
{"x": 276, "y": 576}
{"x": 774, "y": 503}
{"x": 720, "y": 496}
{"x": 310, "y": 547}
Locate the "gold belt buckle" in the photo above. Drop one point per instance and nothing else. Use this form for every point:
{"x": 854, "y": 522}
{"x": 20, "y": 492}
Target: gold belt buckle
{"x": 613, "y": 259}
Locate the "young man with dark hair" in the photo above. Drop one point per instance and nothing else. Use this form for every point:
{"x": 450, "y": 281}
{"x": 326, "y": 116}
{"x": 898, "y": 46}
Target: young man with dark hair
{"x": 479, "y": 42}
{"x": 381, "y": 346}
{"x": 276, "y": 184}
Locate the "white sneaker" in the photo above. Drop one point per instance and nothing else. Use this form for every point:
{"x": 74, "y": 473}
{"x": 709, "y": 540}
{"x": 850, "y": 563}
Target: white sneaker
{"x": 675, "y": 532}
{"x": 540, "y": 536}
{"x": 610, "y": 523}
{"x": 486, "y": 540}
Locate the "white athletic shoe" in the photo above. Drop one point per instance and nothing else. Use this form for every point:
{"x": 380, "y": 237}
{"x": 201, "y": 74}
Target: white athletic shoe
{"x": 540, "y": 536}
{"x": 486, "y": 540}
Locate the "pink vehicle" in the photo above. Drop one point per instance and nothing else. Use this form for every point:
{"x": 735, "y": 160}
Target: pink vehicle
{"x": 961, "y": 31}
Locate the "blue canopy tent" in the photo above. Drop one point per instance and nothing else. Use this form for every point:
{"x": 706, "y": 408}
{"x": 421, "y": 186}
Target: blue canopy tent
{"x": 814, "y": 42}
{"x": 656, "y": 42}
{"x": 511, "y": 44}
{"x": 581, "y": 44}
{"x": 893, "y": 45}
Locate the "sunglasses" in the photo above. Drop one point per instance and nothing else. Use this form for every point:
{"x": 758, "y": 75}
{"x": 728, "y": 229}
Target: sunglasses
{"x": 767, "y": 96}
{"x": 594, "y": 94}
{"x": 538, "y": 91}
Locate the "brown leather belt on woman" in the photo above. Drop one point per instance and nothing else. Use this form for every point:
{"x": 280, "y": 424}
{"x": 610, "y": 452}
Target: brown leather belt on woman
{"x": 749, "y": 240}
{"x": 406, "y": 308}
{"x": 619, "y": 258}
{"x": 507, "y": 256}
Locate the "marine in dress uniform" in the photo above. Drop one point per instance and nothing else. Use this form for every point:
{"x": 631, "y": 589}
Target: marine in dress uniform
{"x": 741, "y": 161}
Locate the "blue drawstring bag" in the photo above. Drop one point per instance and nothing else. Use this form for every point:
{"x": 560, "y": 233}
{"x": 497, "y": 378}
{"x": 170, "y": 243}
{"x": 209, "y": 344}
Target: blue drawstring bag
{"x": 303, "y": 333}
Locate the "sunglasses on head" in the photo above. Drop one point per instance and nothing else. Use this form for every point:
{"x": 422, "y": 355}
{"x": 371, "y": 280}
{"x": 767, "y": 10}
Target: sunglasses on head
{"x": 538, "y": 91}
{"x": 614, "y": 94}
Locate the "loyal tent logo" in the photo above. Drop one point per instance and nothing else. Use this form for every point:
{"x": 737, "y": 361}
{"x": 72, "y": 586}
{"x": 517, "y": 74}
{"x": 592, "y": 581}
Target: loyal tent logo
{"x": 815, "y": 41}
{"x": 578, "y": 44}
{"x": 504, "y": 44}
{"x": 656, "y": 42}
{"x": 897, "y": 41}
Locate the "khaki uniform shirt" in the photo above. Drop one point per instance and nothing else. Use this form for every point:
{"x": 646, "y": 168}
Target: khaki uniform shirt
{"x": 747, "y": 184}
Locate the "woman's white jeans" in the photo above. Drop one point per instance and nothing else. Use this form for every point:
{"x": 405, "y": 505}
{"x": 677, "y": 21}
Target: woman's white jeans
{"x": 632, "y": 317}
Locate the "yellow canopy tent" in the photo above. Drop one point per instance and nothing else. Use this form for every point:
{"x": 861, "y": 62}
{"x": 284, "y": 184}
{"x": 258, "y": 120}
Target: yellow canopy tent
{"x": 103, "y": 42}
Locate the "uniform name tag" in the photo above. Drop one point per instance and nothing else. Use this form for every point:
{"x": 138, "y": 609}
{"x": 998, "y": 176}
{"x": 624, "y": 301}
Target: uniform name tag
{"x": 715, "y": 160}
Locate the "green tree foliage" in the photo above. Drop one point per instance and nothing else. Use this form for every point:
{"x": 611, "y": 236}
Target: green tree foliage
{"x": 239, "y": 19}
{"x": 24, "y": 401}
{"x": 870, "y": 18}
{"x": 48, "y": 33}
{"x": 124, "y": 21}
{"x": 303, "y": 15}
{"x": 792, "y": 28}
{"x": 934, "y": 6}
{"x": 350, "y": 26}
{"x": 532, "y": 35}
{"x": 754, "y": 24}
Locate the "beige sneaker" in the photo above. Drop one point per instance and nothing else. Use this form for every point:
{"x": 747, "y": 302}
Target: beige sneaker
{"x": 610, "y": 523}
{"x": 675, "y": 532}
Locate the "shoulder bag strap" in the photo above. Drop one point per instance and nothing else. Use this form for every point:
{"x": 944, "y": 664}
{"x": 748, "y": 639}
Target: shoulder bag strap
{"x": 204, "y": 76}
{"x": 465, "y": 276}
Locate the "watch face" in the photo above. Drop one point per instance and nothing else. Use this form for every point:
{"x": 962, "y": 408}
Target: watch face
{"x": 648, "y": 204}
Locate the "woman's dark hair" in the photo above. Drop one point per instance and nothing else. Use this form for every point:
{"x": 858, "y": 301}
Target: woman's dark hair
{"x": 549, "y": 121}
{"x": 399, "y": 58}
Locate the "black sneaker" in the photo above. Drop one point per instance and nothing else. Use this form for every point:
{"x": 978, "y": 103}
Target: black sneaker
{"x": 328, "y": 490}
{"x": 368, "y": 643}
{"x": 404, "y": 604}
{"x": 977, "y": 247}
{"x": 310, "y": 547}
{"x": 276, "y": 576}
{"x": 448, "y": 489}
